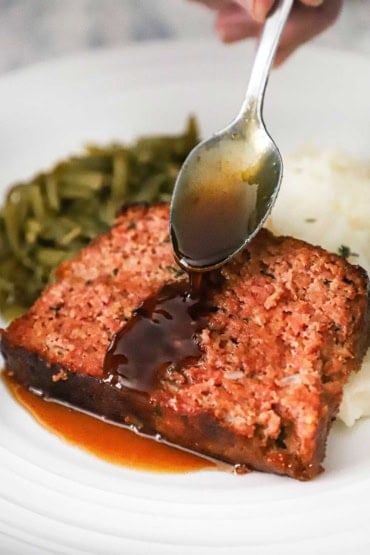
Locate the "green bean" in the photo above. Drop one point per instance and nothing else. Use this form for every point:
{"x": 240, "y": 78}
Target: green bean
{"x": 33, "y": 229}
{"x": 51, "y": 192}
{"x": 36, "y": 202}
{"x": 12, "y": 227}
{"x": 50, "y": 257}
{"x": 120, "y": 176}
{"x": 47, "y": 220}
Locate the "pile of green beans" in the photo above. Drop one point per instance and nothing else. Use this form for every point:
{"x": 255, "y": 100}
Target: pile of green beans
{"x": 47, "y": 220}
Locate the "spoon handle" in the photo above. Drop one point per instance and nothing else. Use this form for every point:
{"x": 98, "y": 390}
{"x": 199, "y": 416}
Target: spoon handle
{"x": 264, "y": 58}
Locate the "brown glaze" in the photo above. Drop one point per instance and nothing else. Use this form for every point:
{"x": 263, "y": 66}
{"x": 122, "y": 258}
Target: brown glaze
{"x": 213, "y": 215}
{"x": 196, "y": 282}
{"x": 161, "y": 333}
{"x": 112, "y": 443}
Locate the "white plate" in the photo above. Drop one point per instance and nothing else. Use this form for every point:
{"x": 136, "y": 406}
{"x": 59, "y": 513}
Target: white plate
{"x": 57, "y": 499}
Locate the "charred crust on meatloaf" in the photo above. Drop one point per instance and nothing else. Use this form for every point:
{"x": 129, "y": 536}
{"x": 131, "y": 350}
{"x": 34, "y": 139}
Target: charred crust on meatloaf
{"x": 140, "y": 206}
{"x": 201, "y": 432}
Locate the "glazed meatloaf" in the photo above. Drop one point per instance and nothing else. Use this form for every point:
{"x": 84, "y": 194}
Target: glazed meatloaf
{"x": 289, "y": 323}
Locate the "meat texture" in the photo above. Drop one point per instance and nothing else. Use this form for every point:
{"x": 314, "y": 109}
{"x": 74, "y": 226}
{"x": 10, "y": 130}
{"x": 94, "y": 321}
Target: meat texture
{"x": 290, "y": 323}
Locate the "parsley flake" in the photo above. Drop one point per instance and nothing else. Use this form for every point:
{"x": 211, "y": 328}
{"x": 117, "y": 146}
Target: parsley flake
{"x": 346, "y": 252}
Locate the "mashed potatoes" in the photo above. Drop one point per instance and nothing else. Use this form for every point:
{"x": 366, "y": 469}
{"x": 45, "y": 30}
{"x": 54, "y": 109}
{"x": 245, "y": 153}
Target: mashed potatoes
{"x": 325, "y": 200}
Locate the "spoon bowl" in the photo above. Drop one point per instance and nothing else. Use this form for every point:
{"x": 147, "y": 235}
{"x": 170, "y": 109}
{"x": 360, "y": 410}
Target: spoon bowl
{"x": 224, "y": 194}
{"x": 229, "y": 183}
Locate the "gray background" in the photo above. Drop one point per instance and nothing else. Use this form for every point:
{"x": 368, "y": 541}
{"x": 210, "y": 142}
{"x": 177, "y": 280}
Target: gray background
{"x": 34, "y": 30}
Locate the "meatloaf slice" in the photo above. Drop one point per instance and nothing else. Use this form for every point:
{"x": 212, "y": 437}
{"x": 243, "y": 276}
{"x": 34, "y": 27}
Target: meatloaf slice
{"x": 289, "y": 323}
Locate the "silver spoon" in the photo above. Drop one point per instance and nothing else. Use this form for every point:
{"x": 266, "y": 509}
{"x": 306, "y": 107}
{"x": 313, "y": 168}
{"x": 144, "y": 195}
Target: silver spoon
{"x": 229, "y": 183}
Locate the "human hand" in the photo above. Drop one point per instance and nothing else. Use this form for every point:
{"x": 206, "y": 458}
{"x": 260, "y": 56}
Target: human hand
{"x": 239, "y": 19}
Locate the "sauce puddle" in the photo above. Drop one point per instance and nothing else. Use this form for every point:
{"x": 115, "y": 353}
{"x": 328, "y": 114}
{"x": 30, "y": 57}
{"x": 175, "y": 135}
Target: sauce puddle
{"x": 159, "y": 335}
{"x": 106, "y": 441}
